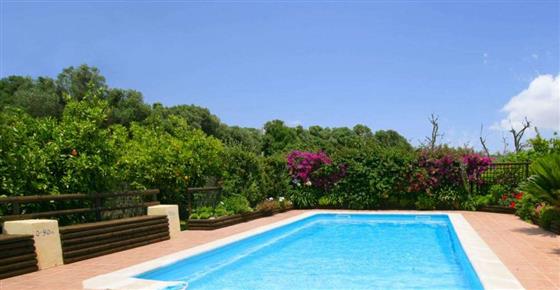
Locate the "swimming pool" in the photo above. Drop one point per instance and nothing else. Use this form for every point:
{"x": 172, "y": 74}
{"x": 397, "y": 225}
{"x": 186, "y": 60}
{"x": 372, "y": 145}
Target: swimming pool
{"x": 330, "y": 251}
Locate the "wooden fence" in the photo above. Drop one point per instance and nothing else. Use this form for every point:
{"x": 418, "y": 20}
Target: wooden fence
{"x": 84, "y": 241}
{"x": 90, "y": 207}
{"x": 96, "y": 229}
{"x": 17, "y": 255}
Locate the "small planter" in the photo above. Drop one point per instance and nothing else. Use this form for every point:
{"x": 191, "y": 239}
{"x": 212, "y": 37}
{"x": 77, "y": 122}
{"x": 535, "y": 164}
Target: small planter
{"x": 498, "y": 209}
{"x": 220, "y": 222}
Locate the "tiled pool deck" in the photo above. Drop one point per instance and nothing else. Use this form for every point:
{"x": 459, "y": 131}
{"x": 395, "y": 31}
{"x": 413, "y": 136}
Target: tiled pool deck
{"x": 531, "y": 254}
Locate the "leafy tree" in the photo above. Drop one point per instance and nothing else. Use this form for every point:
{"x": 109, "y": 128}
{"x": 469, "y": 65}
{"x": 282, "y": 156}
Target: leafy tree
{"x": 127, "y": 106}
{"x": 362, "y": 131}
{"x": 247, "y": 138}
{"x": 36, "y": 97}
{"x": 277, "y": 137}
{"x": 10, "y": 85}
{"x": 197, "y": 117}
{"x": 76, "y": 81}
{"x": 391, "y": 138}
{"x": 169, "y": 155}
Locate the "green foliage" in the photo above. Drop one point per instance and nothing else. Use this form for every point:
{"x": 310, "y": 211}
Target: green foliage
{"x": 477, "y": 201}
{"x": 549, "y": 216}
{"x": 196, "y": 117}
{"x": 373, "y": 175}
{"x": 276, "y": 180}
{"x": 538, "y": 147}
{"x": 77, "y": 81}
{"x": 328, "y": 201}
{"x": 278, "y": 137}
{"x": 393, "y": 139}
{"x": 498, "y": 190}
{"x": 247, "y": 138}
{"x": 38, "y": 97}
{"x": 202, "y": 213}
{"x": 268, "y": 205}
{"x": 526, "y": 207}
{"x": 237, "y": 204}
{"x": 544, "y": 182}
{"x": 426, "y": 203}
{"x": 127, "y": 106}
{"x": 304, "y": 198}
{"x": 73, "y": 154}
{"x": 171, "y": 159}
{"x": 449, "y": 197}
{"x": 207, "y": 212}
{"x": 243, "y": 174}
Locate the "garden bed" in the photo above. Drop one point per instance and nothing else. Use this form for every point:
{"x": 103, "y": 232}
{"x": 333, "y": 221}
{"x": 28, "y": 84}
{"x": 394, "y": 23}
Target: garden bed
{"x": 224, "y": 221}
{"x": 498, "y": 209}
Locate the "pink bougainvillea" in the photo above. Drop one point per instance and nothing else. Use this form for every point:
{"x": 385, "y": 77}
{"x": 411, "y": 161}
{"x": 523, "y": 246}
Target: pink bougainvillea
{"x": 431, "y": 173}
{"x": 314, "y": 169}
{"x": 475, "y": 165}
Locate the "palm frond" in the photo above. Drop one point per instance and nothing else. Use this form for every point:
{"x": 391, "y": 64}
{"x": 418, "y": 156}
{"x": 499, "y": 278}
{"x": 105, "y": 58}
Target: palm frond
{"x": 544, "y": 182}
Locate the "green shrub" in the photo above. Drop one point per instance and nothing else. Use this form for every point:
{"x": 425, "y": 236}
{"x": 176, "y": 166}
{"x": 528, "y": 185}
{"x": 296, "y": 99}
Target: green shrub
{"x": 477, "y": 201}
{"x": 221, "y": 210}
{"x": 525, "y": 208}
{"x": 449, "y": 198}
{"x": 498, "y": 190}
{"x": 285, "y": 203}
{"x": 373, "y": 175}
{"x": 544, "y": 182}
{"x": 426, "y": 203}
{"x": 237, "y": 204}
{"x": 549, "y": 216}
{"x": 304, "y": 198}
{"x": 170, "y": 159}
{"x": 268, "y": 205}
{"x": 204, "y": 215}
{"x": 243, "y": 174}
{"x": 326, "y": 202}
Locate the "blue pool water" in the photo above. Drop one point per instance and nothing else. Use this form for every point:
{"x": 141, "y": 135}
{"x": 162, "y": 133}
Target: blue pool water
{"x": 331, "y": 251}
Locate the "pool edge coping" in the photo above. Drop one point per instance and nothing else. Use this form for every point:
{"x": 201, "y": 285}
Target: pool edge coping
{"x": 493, "y": 274}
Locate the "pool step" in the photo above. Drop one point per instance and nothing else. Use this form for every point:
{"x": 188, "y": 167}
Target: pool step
{"x": 80, "y": 242}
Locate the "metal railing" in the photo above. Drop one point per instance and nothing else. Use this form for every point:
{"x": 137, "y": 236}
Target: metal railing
{"x": 510, "y": 173}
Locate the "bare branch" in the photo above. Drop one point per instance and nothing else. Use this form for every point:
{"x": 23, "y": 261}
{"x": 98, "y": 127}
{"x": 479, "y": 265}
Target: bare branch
{"x": 506, "y": 144}
{"x": 518, "y": 135}
{"x": 483, "y": 141}
{"x": 431, "y": 141}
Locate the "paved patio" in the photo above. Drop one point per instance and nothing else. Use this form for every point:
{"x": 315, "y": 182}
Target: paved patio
{"x": 531, "y": 254}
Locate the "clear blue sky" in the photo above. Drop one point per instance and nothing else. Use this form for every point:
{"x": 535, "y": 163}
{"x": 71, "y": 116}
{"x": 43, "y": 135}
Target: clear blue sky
{"x": 384, "y": 64}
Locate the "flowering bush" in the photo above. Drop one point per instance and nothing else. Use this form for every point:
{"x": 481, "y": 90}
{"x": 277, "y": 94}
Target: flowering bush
{"x": 511, "y": 199}
{"x": 475, "y": 165}
{"x": 433, "y": 173}
{"x": 314, "y": 169}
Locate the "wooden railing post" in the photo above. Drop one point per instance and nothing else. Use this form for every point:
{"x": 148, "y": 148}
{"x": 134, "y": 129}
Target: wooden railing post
{"x": 190, "y": 197}
{"x": 97, "y": 204}
{"x": 15, "y": 208}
